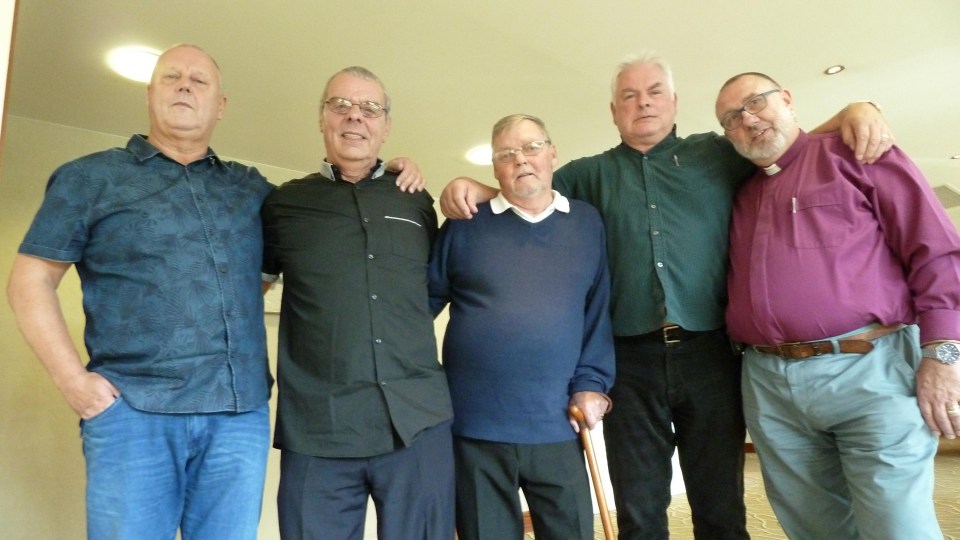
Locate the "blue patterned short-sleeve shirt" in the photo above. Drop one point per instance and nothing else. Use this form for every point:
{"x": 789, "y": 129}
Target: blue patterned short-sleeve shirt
{"x": 169, "y": 260}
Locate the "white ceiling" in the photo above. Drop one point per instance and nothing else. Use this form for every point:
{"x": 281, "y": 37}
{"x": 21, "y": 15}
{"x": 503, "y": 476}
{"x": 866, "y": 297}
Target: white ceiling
{"x": 453, "y": 68}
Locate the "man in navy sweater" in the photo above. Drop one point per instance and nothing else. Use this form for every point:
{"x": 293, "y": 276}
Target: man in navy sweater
{"x": 529, "y": 334}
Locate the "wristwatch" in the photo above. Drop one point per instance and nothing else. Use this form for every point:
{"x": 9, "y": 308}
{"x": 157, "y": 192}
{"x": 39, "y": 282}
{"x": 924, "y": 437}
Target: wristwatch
{"x": 947, "y": 352}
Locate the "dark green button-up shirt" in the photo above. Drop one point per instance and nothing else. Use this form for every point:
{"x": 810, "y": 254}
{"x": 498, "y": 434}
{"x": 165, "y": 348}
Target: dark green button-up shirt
{"x": 666, "y": 213}
{"x": 357, "y": 371}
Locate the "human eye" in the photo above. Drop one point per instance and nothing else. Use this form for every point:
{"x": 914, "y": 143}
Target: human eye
{"x": 371, "y": 109}
{"x": 503, "y": 155}
{"x": 339, "y": 105}
{"x": 532, "y": 147}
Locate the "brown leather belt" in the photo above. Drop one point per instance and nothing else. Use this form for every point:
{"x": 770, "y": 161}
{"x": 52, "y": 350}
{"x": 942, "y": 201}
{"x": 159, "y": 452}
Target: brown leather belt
{"x": 857, "y": 344}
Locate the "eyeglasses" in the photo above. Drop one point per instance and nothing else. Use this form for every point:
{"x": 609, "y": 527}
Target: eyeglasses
{"x": 370, "y": 109}
{"x": 531, "y": 148}
{"x": 757, "y": 103}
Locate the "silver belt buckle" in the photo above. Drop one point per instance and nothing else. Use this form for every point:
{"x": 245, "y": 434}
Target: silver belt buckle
{"x": 667, "y": 340}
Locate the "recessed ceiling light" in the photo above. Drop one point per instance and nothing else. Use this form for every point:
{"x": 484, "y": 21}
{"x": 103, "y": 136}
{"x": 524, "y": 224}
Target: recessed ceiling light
{"x": 135, "y": 63}
{"x": 480, "y": 155}
{"x": 833, "y": 70}
{"x": 955, "y": 157}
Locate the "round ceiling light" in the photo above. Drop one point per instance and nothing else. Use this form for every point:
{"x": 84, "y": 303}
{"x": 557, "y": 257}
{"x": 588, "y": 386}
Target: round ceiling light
{"x": 480, "y": 155}
{"x": 833, "y": 70}
{"x": 134, "y": 63}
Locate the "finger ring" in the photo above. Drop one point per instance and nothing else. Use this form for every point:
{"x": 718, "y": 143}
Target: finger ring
{"x": 953, "y": 410}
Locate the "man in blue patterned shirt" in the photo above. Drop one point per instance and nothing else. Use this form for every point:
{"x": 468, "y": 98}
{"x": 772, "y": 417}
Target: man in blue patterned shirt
{"x": 166, "y": 238}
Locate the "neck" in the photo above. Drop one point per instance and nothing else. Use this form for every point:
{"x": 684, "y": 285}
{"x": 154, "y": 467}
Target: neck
{"x": 354, "y": 171}
{"x": 183, "y": 151}
{"x": 645, "y": 144}
{"x": 533, "y": 205}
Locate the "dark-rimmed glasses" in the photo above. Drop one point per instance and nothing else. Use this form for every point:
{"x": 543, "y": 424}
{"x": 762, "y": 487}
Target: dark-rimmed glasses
{"x": 757, "y": 103}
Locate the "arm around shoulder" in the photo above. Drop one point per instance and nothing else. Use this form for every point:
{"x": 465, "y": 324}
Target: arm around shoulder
{"x": 460, "y": 197}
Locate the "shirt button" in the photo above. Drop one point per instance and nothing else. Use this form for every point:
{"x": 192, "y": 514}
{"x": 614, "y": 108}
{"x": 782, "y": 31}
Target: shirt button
{"x": 655, "y": 233}
{"x": 383, "y": 383}
{"x": 370, "y": 255}
{"x": 378, "y": 340}
{"x": 653, "y": 206}
{"x": 373, "y": 297}
{"x": 366, "y": 220}
{"x": 659, "y": 265}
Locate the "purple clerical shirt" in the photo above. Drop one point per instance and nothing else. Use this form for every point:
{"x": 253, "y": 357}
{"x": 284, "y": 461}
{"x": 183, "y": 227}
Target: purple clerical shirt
{"x": 827, "y": 245}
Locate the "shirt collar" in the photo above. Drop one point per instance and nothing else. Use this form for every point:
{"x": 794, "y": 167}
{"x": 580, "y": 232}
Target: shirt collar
{"x": 140, "y": 147}
{"x": 330, "y": 171}
{"x": 500, "y": 204}
{"x": 664, "y": 145}
{"x": 789, "y": 156}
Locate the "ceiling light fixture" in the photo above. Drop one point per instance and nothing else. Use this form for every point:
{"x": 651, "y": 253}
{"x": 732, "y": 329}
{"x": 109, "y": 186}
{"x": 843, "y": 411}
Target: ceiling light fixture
{"x": 480, "y": 155}
{"x": 135, "y": 63}
{"x": 833, "y": 70}
{"x": 955, "y": 157}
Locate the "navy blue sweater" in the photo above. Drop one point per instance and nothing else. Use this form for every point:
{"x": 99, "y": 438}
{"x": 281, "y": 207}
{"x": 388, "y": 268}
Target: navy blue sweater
{"x": 529, "y": 321}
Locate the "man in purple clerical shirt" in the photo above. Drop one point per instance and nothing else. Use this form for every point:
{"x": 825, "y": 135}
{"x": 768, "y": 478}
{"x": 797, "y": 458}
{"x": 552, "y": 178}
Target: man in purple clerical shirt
{"x": 838, "y": 273}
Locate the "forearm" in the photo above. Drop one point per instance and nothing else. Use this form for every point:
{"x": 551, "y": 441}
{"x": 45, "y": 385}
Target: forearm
{"x": 36, "y": 308}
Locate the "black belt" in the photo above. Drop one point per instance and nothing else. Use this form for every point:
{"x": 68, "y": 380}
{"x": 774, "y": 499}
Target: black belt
{"x": 668, "y": 335}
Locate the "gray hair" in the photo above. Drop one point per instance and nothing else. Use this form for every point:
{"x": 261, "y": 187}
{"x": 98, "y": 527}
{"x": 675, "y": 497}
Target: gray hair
{"x": 508, "y": 122}
{"x": 643, "y": 57}
{"x": 363, "y": 73}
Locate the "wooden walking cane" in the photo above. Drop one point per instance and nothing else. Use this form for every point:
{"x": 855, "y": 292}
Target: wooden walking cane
{"x": 577, "y": 415}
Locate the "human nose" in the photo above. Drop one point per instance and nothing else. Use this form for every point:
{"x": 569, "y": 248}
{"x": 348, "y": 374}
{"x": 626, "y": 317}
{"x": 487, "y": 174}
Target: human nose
{"x": 354, "y": 113}
{"x": 518, "y": 157}
{"x": 748, "y": 118}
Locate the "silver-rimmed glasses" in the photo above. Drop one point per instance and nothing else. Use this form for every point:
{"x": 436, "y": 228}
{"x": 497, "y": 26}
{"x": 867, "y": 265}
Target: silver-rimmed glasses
{"x": 370, "y": 109}
{"x": 531, "y": 148}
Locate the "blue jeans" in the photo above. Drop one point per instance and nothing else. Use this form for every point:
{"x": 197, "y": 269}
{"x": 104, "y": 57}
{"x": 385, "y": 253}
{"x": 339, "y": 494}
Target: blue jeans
{"x": 149, "y": 474}
{"x": 844, "y": 451}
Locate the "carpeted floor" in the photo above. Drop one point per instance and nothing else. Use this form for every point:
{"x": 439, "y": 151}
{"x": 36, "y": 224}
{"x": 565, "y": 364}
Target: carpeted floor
{"x": 762, "y": 524}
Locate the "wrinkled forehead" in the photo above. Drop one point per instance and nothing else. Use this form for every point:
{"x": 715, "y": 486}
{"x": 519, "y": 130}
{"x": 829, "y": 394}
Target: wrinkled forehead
{"x": 736, "y": 92}
{"x": 187, "y": 57}
{"x": 351, "y": 86}
{"x": 520, "y": 132}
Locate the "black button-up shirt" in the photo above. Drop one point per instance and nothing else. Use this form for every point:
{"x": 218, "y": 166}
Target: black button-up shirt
{"x": 358, "y": 373}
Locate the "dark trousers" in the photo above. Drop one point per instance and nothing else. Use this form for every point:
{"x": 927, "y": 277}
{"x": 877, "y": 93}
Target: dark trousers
{"x": 695, "y": 386}
{"x": 553, "y": 478}
{"x": 412, "y": 490}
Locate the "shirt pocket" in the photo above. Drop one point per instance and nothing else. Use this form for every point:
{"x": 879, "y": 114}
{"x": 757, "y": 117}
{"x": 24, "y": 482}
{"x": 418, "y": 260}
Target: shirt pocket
{"x": 817, "y": 221}
{"x": 408, "y": 235}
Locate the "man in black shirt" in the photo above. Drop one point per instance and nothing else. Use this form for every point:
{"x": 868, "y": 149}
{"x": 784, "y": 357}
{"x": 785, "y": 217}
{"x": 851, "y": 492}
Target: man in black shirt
{"x": 364, "y": 408}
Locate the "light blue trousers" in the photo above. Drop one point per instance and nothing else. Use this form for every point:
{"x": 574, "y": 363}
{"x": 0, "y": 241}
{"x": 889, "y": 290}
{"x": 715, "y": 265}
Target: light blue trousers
{"x": 150, "y": 474}
{"x": 844, "y": 451}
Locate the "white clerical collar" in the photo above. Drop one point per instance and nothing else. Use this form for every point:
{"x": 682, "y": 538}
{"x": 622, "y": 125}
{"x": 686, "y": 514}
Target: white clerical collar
{"x": 771, "y": 169}
{"x": 500, "y": 204}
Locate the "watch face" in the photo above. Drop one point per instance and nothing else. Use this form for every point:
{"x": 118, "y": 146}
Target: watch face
{"x": 948, "y": 353}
